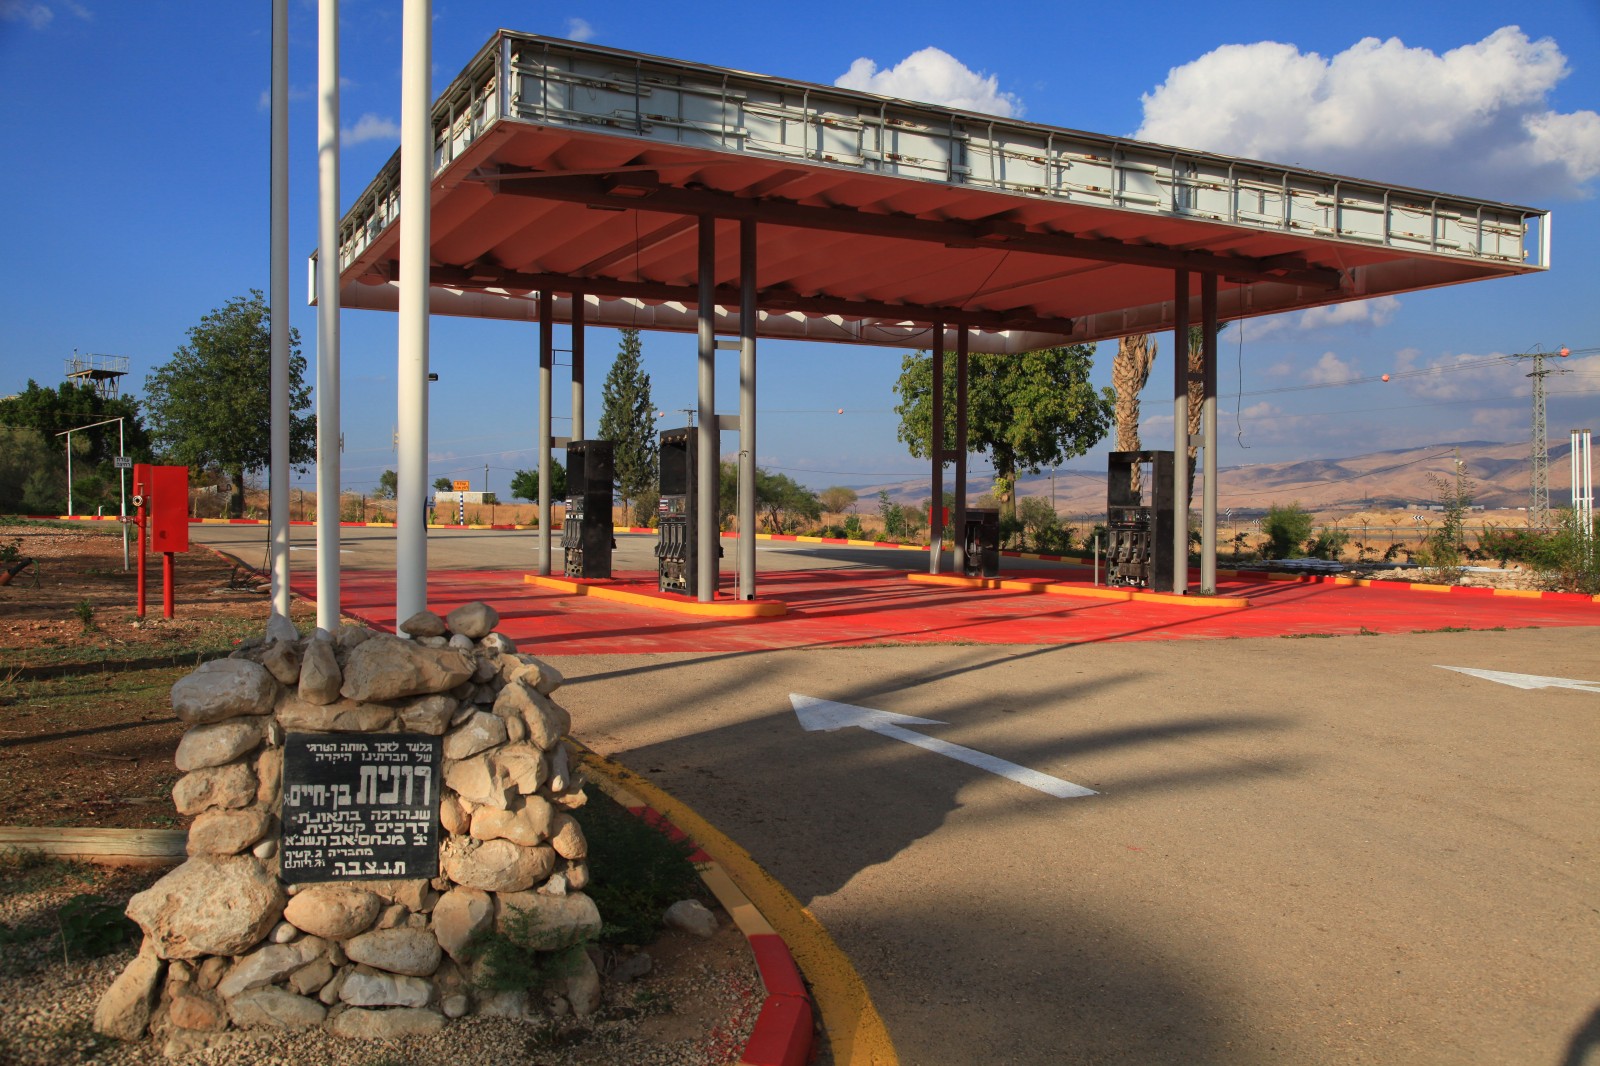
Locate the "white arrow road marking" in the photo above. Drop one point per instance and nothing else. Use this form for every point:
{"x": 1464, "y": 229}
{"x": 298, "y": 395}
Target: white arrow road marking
{"x": 1526, "y": 680}
{"x": 817, "y": 714}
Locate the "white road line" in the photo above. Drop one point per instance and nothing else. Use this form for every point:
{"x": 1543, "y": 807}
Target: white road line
{"x": 827, "y": 715}
{"x": 1525, "y": 681}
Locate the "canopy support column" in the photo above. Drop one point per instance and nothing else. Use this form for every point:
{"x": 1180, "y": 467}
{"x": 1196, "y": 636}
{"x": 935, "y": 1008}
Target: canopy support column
{"x": 1208, "y": 431}
{"x": 278, "y": 465}
{"x": 937, "y": 450}
{"x": 416, "y": 157}
{"x": 747, "y": 409}
{"x": 1180, "y": 433}
{"x": 546, "y": 362}
{"x": 709, "y": 540}
{"x": 328, "y": 416}
{"x": 578, "y": 313}
{"x": 961, "y": 451}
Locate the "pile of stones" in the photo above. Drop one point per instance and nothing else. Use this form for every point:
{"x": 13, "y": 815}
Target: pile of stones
{"x": 229, "y": 942}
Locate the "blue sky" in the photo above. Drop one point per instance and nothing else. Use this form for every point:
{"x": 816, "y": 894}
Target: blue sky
{"x": 135, "y": 198}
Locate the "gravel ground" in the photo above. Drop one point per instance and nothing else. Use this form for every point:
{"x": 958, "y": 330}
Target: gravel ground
{"x": 696, "y": 1006}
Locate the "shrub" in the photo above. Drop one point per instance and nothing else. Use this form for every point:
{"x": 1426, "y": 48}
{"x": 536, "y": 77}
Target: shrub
{"x": 517, "y": 955}
{"x": 638, "y": 871}
{"x": 1327, "y": 544}
{"x": 92, "y": 927}
{"x": 1286, "y": 528}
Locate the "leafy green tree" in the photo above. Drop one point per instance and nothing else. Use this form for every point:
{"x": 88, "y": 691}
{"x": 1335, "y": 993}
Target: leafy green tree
{"x": 836, "y": 499}
{"x": 388, "y": 486}
{"x": 1287, "y": 528}
{"x": 781, "y": 502}
{"x": 1039, "y": 520}
{"x": 893, "y": 515}
{"x": 33, "y": 474}
{"x": 525, "y": 483}
{"x": 443, "y": 484}
{"x": 69, "y": 405}
{"x": 1026, "y": 411}
{"x": 628, "y": 421}
{"x": 212, "y": 402}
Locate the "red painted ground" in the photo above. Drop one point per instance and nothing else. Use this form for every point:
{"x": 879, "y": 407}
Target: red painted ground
{"x": 837, "y": 608}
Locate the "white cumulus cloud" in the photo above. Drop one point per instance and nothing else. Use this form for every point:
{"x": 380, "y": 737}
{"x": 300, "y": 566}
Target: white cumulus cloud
{"x": 1329, "y": 370}
{"x": 1475, "y": 119}
{"x": 933, "y": 76}
{"x": 579, "y": 30}
{"x": 1374, "y": 312}
{"x": 370, "y": 127}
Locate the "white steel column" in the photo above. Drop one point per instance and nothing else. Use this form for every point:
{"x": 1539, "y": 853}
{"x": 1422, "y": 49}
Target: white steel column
{"x": 547, "y": 329}
{"x": 328, "y": 419}
{"x": 578, "y": 311}
{"x": 1208, "y": 430}
{"x": 1180, "y": 434}
{"x": 747, "y": 409}
{"x": 710, "y": 539}
{"x": 278, "y": 309}
{"x": 936, "y": 448}
{"x": 416, "y": 158}
{"x": 961, "y": 451}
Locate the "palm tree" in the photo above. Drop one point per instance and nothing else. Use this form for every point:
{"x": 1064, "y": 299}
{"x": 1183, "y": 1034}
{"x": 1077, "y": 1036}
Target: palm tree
{"x": 1129, "y": 372}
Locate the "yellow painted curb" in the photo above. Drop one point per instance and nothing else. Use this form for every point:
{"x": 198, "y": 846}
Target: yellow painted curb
{"x": 959, "y": 581}
{"x": 728, "y": 609}
{"x": 855, "y": 1029}
{"x": 1226, "y": 603}
{"x": 1527, "y": 594}
{"x": 1093, "y": 593}
{"x": 1419, "y": 586}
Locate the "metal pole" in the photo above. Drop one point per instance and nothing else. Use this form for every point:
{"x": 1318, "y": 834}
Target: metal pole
{"x": 747, "y": 409}
{"x": 70, "y": 511}
{"x": 328, "y": 417}
{"x": 578, "y": 312}
{"x": 1208, "y": 429}
{"x": 707, "y": 442}
{"x": 278, "y": 301}
{"x": 547, "y": 329}
{"x": 416, "y": 156}
{"x": 122, "y": 485}
{"x": 1180, "y": 433}
{"x": 936, "y": 448}
{"x": 961, "y": 451}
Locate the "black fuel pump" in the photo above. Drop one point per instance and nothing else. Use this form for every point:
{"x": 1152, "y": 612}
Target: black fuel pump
{"x": 1139, "y": 520}
{"x": 586, "y": 532}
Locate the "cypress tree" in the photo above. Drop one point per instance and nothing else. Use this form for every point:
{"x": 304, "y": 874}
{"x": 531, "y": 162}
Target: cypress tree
{"x": 628, "y": 421}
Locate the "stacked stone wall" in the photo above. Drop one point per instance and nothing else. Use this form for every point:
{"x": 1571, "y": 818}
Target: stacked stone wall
{"x": 230, "y": 942}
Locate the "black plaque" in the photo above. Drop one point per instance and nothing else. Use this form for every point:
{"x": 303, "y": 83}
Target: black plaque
{"x": 360, "y": 807}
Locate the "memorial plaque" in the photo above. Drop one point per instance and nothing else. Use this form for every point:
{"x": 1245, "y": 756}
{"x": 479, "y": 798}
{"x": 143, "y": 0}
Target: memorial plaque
{"x": 362, "y": 806}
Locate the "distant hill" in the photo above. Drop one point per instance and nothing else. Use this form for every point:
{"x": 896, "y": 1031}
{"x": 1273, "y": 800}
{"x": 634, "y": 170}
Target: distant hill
{"x": 1500, "y": 474}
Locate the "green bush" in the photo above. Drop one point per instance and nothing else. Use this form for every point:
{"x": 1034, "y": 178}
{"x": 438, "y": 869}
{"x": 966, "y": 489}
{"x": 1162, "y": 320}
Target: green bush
{"x": 1287, "y": 528}
{"x": 517, "y": 955}
{"x": 638, "y": 871}
{"x": 1327, "y": 544}
{"x": 92, "y": 927}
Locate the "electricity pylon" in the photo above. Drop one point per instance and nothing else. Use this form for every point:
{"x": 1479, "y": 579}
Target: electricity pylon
{"x": 1539, "y": 498}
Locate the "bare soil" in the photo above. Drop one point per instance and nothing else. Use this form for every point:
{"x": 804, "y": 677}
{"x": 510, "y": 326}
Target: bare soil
{"x": 86, "y": 731}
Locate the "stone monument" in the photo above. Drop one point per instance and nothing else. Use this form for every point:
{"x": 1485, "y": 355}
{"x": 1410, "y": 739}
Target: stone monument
{"x": 364, "y": 806}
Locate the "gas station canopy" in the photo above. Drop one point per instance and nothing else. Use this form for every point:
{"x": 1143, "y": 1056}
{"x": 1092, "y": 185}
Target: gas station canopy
{"x": 567, "y": 168}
